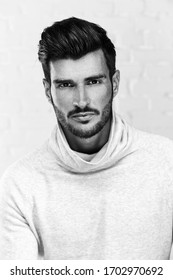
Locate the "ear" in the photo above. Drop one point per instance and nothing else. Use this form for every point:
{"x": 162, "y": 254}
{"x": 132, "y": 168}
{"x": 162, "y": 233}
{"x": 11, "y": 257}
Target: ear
{"x": 115, "y": 82}
{"x": 47, "y": 88}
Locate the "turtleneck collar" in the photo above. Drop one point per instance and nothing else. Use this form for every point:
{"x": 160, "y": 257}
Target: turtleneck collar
{"x": 117, "y": 147}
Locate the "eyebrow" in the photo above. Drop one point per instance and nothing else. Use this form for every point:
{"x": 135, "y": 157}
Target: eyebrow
{"x": 94, "y": 77}
{"x": 59, "y": 81}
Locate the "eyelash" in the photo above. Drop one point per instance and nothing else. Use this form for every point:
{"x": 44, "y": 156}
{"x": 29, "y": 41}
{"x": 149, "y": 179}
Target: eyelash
{"x": 65, "y": 85}
{"x": 96, "y": 82}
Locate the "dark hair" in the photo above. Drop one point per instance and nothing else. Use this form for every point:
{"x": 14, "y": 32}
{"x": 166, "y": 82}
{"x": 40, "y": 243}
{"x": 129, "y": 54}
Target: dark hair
{"x": 73, "y": 38}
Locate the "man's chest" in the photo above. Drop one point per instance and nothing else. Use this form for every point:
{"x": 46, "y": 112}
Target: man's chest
{"x": 123, "y": 214}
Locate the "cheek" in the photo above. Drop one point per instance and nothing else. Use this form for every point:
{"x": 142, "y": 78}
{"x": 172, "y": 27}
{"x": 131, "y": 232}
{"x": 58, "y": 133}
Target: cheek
{"x": 102, "y": 97}
{"x": 62, "y": 101}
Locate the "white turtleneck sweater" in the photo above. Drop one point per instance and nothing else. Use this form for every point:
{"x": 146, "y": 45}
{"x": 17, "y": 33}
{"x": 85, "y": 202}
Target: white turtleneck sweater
{"x": 117, "y": 204}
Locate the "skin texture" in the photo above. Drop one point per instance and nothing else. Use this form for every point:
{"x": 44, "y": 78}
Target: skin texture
{"x": 81, "y": 93}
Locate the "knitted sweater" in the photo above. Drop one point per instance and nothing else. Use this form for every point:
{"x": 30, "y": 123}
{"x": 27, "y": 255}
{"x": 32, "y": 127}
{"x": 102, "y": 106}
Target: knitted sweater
{"x": 116, "y": 204}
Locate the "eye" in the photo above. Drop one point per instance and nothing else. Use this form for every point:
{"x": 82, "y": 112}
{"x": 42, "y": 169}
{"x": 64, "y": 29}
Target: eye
{"x": 64, "y": 85}
{"x": 94, "y": 82}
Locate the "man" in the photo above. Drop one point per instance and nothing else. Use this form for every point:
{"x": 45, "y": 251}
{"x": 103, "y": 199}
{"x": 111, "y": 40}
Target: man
{"x": 98, "y": 188}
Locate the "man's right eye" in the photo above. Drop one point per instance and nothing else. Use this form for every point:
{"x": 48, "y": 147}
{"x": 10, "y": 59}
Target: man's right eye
{"x": 64, "y": 85}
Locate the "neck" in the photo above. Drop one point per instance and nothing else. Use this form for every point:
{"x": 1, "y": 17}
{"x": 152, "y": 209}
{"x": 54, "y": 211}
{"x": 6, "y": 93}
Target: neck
{"x": 89, "y": 145}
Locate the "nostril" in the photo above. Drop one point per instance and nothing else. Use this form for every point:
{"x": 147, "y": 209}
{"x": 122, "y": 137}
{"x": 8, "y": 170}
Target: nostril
{"x": 81, "y": 102}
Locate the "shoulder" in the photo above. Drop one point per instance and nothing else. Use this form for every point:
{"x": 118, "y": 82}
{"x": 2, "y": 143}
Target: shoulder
{"x": 27, "y": 162}
{"x": 154, "y": 143}
{"x": 20, "y": 175}
{"x": 156, "y": 152}
{"x": 155, "y": 148}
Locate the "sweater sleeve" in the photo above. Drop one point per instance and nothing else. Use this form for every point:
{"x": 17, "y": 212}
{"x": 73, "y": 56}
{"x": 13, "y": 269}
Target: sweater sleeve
{"x": 169, "y": 157}
{"x": 17, "y": 239}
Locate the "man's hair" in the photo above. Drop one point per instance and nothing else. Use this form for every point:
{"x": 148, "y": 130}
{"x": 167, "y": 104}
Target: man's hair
{"x": 74, "y": 38}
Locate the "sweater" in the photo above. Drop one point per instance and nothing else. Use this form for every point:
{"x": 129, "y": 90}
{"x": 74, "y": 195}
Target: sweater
{"x": 57, "y": 204}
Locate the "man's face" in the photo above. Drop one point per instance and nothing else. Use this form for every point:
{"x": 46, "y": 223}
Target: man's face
{"x": 81, "y": 92}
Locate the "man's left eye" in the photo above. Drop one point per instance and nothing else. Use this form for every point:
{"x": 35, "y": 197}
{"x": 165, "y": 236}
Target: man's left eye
{"x": 65, "y": 85}
{"x": 93, "y": 82}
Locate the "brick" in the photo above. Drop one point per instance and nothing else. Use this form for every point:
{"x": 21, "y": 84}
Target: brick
{"x": 103, "y": 9}
{"x": 123, "y": 55}
{"x": 29, "y": 36}
{"x": 138, "y": 103}
{"x": 160, "y": 102}
{"x": 4, "y": 123}
{"x": 130, "y": 70}
{"x": 162, "y": 105}
{"x": 151, "y": 121}
{"x": 152, "y": 56}
{"x": 40, "y": 136}
{"x": 4, "y": 32}
{"x": 128, "y": 8}
{"x": 9, "y": 9}
{"x": 4, "y": 58}
{"x": 143, "y": 22}
{"x": 117, "y": 27}
{"x": 24, "y": 56}
{"x": 10, "y": 106}
{"x": 35, "y": 105}
{"x": 126, "y": 32}
{"x": 158, "y": 70}
{"x": 12, "y": 137}
{"x": 152, "y": 87}
{"x": 32, "y": 121}
{"x": 156, "y": 8}
{"x": 57, "y": 9}
{"x": 132, "y": 39}
{"x": 39, "y": 10}
{"x": 158, "y": 40}
{"x": 9, "y": 73}
{"x": 31, "y": 72}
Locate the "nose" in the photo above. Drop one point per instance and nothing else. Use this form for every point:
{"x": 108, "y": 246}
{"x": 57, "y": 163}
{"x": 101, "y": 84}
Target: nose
{"x": 80, "y": 97}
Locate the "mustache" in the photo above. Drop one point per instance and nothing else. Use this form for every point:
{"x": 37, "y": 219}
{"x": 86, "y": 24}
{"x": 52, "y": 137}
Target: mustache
{"x": 82, "y": 110}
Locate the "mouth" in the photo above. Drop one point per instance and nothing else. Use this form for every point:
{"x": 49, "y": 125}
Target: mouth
{"x": 83, "y": 117}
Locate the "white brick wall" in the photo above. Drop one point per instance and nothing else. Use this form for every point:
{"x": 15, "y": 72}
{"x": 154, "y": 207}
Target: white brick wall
{"x": 142, "y": 31}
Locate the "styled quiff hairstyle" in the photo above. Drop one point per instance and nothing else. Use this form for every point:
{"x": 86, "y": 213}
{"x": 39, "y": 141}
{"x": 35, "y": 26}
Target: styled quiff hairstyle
{"x": 74, "y": 38}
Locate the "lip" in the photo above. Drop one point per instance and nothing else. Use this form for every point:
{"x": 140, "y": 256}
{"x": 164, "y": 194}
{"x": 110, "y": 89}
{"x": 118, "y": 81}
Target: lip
{"x": 83, "y": 116}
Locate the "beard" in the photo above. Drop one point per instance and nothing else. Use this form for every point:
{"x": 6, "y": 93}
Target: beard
{"x": 85, "y": 133}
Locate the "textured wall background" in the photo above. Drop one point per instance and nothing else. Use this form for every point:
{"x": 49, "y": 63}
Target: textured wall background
{"x": 142, "y": 31}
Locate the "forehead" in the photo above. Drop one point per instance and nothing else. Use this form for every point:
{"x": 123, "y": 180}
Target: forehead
{"x": 93, "y": 63}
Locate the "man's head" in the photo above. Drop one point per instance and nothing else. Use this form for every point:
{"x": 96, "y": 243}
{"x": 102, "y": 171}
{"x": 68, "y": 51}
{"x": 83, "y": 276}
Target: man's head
{"x": 78, "y": 61}
{"x": 73, "y": 38}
